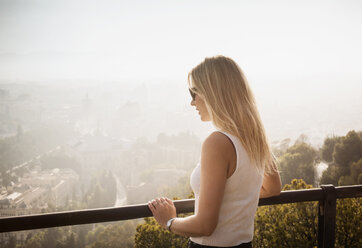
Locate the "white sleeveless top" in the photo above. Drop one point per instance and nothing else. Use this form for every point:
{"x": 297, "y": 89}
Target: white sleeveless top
{"x": 241, "y": 196}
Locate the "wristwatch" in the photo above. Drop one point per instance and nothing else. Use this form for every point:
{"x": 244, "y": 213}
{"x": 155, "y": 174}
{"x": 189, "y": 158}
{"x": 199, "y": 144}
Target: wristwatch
{"x": 169, "y": 223}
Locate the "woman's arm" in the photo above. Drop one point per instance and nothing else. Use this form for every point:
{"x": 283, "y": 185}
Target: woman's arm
{"x": 215, "y": 156}
{"x": 271, "y": 183}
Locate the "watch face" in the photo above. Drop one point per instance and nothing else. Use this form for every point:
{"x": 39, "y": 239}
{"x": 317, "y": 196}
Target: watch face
{"x": 168, "y": 225}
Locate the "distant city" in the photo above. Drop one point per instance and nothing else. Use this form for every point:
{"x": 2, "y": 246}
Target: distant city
{"x": 65, "y": 146}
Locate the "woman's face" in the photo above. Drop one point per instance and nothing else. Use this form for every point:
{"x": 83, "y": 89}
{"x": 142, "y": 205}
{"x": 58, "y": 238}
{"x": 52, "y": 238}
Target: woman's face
{"x": 200, "y": 106}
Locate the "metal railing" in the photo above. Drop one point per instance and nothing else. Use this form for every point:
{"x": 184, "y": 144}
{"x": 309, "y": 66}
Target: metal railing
{"x": 326, "y": 196}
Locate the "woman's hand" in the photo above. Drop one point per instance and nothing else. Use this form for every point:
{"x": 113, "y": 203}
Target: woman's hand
{"x": 163, "y": 210}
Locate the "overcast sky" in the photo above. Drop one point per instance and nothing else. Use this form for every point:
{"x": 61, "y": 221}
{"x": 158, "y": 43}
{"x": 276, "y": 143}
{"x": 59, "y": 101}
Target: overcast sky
{"x": 303, "y": 58}
{"x": 106, "y": 40}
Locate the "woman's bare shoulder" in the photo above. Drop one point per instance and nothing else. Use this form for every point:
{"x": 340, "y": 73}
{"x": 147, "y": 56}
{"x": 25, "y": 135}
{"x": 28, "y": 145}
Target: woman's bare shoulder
{"x": 218, "y": 142}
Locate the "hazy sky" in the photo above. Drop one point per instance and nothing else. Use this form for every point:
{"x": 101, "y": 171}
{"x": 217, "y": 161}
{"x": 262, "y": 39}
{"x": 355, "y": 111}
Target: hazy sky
{"x": 303, "y": 58}
{"x": 146, "y": 40}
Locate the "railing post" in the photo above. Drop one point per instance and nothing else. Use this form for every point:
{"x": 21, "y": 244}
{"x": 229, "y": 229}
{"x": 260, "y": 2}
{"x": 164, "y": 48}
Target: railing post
{"x": 327, "y": 217}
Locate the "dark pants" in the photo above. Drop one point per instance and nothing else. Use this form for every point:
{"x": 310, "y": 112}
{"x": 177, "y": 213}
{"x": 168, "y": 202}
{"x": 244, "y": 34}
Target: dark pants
{"x": 243, "y": 245}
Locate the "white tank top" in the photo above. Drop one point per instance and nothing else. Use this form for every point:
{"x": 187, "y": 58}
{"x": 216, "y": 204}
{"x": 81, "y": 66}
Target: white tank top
{"x": 241, "y": 196}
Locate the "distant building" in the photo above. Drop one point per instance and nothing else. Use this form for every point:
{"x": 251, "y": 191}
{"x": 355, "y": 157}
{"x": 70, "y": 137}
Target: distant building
{"x": 31, "y": 200}
{"x": 35, "y": 190}
{"x": 98, "y": 150}
{"x": 32, "y": 195}
{"x": 23, "y": 201}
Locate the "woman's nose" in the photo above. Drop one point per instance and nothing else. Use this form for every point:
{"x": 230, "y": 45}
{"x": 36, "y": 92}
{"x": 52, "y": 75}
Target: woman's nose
{"x": 192, "y": 103}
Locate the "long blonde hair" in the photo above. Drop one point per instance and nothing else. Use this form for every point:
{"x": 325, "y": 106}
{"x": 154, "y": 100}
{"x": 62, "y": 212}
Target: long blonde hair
{"x": 232, "y": 107}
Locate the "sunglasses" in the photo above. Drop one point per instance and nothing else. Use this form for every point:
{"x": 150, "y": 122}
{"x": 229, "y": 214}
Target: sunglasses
{"x": 193, "y": 94}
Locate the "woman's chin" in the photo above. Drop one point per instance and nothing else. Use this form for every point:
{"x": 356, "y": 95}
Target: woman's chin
{"x": 203, "y": 119}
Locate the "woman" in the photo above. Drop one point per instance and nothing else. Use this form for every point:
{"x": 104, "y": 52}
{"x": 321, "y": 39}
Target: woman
{"x": 237, "y": 166}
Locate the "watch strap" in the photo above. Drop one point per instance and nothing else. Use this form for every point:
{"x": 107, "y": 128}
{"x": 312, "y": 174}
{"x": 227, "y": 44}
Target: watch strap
{"x": 169, "y": 223}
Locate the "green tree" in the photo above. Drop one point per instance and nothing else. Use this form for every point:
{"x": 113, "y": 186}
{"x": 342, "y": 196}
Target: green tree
{"x": 151, "y": 235}
{"x": 116, "y": 235}
{"x": 307, "y": 152}
{"x": 92, "y": 235}
{"x": 110, "y": 186}
{"x": 81, "y": 232}
{"x": 348, "y": 150}
{"x": 287, "y": 225}
{"x": 11, "y": 243}
{"x": 348, "y": 223}
{"x": 102, "y": 191}
{"x": 298, "y": 162}
{"x": 60, "y": 237}
{"x": 35, "y": 241}
{"x": 328, "y": 147}
{"x": 95, "y": 201}
{"x": 51, "y": 236}
{"x": 6, "y": 178}
{"x": 331, "y": 175}
{"x": 71, "y": 241}
{"x": 355, "y": 176}
{"x": 346, "y": 168}
{"x": 295, "y": 224}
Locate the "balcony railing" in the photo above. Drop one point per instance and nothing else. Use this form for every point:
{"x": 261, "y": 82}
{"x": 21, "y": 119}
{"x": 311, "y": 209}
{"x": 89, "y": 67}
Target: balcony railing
{"x": 326, "y": 196}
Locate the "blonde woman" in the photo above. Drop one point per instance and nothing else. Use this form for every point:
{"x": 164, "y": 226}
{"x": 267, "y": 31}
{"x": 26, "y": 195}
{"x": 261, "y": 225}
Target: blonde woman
{"x": 236, "y": 167}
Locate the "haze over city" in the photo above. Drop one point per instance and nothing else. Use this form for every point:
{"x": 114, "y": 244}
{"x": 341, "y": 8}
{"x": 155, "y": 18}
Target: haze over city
{"x": 302, "y": 59}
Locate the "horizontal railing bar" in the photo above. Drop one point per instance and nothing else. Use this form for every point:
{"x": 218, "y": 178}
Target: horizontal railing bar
{"x": 353, "y": 191}
{"x": 88, "y": 216}
{"x": 293, "y": 196}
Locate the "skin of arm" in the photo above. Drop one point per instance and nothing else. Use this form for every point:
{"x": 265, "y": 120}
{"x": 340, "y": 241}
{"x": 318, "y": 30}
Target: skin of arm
{"x": 271, "y": 183}
{"x": 215, "y": 157}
